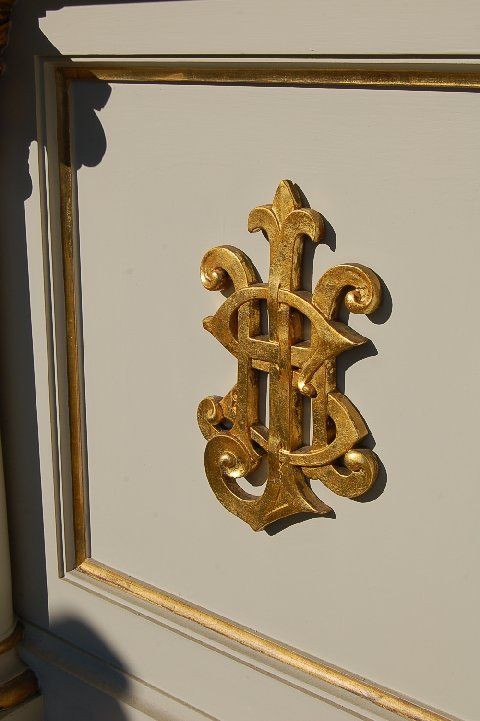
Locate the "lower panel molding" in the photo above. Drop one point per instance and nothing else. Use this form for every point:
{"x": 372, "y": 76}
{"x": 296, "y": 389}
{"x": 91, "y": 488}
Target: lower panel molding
{"x": 383, "y": 698}
{"x": 68, "y": 673}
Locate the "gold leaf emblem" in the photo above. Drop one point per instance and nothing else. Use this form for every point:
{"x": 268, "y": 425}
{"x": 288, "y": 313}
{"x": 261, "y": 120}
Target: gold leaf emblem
{"x": 236, "y": 438}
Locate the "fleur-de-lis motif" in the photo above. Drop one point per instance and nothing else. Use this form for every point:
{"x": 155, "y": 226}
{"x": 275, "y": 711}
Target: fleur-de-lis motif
{"x": 236, "y": 438}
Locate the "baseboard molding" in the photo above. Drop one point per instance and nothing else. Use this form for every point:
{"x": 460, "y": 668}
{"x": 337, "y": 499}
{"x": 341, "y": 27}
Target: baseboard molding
{"x": 43, "y": 650}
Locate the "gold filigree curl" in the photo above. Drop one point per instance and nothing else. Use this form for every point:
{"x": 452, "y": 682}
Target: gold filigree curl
{"x": 236, "y": 439}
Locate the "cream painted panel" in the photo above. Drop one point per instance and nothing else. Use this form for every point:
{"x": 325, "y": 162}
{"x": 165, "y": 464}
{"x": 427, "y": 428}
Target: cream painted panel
{"x": 395, "y": 174}
{"x": 167, "y": 660}
{"x": 162, "y": 653}
{"x": 338, "y": 27}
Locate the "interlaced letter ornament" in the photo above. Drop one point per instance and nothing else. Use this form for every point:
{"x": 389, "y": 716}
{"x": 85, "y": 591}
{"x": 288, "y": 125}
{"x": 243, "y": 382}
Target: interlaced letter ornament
{"x": 236, "y": 439}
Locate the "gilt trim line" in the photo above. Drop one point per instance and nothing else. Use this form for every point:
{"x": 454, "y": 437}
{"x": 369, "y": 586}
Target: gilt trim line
{"x": 11, "y": 641}
{"x": 312, "y": 74}
{"x": 18, "y": 689}
{"x": 21, "y": 687}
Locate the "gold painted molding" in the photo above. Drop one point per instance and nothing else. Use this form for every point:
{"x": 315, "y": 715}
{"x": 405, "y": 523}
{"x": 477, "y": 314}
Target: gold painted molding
{"x": 18, "y": 689}
{"x": 11, "y": 641}
{"x": 301, "y": 74}
{"x": 313, "y": 75}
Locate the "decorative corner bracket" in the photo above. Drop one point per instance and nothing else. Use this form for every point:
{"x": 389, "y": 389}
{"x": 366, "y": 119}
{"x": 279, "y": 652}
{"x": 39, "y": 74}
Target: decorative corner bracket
{"x": 296, "y": 366}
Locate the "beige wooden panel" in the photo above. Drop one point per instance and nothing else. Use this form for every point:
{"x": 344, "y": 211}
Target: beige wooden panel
{"x": 387, "y": 590}
{"x": 275, "y": 27}
{"x": 394, "y": 172}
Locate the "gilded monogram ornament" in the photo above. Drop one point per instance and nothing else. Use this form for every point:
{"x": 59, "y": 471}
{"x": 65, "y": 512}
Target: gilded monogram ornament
{"x": 297, "y": 367}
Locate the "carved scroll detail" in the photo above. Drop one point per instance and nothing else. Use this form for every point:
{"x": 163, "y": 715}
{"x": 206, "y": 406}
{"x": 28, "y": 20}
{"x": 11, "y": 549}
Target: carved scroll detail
{"x": 236, "y": 438}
